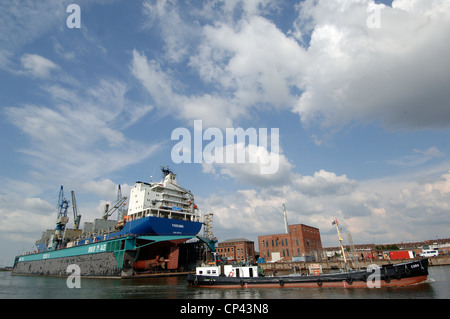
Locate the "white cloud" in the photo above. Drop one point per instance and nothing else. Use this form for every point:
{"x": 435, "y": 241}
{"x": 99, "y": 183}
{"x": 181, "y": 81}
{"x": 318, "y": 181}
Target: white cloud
{"x": 249, "y": 64}
{"x": 17, "y": 221}
{"x": 38, "y": 65}
{"x": 418, "y": 158}
{"x": 213, "y": 109}
{"x": 388, "y": 74}
{"x": 79, "y": 137}
{"x": 250, "y": 172}
{"x": 105, "y": 188}
{"x": 346, "y": 72}
{"x": 176, "y": 34}
{"x": 24, "y": 21}
{"x": 253, "y": 59}
{"x": 324, "y": 183}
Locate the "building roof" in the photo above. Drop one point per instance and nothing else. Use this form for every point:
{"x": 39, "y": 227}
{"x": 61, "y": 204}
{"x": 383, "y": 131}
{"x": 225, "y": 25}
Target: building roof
{"x": 235, "y": 240}
{"x": 290, "y": 226}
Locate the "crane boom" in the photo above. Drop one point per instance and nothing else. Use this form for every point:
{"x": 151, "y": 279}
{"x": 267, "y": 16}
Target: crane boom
{"x": 76, "y": 216}
{"x": 119, "y": 196}
{"x": 63, "y": 204}
{"x": 109, "y": 211}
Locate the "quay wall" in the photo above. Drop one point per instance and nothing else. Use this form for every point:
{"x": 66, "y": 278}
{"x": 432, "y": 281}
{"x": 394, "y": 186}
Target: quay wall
{"x": 333, "y": 265}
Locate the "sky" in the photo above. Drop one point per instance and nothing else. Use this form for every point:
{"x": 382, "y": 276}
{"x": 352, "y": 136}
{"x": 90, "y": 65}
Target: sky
{"x": 358, "y": 91}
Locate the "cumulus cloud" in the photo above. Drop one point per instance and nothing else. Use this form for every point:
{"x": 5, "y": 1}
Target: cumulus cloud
{"x": 244, "y": 62}
{"x": 331, "y": 67}
{"x": 267, "y": 168}
{"x": 388, "y": 74}
{"x": 253, "y": 59}
{"x": 104, "y": 188}
{"x": 17, "y": 222}
{"x": 214, "y": 110}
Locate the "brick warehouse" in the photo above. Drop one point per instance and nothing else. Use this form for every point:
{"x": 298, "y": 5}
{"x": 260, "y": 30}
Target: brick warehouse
{"x": 301, "y": 240}
{"x": 239, "y": 249}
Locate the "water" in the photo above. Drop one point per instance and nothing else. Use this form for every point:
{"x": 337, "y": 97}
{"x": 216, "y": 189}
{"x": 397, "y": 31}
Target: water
{"x": 25, "y": 287}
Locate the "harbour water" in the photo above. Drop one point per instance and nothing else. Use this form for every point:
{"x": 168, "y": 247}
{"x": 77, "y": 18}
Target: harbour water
{"x": 31, "y": 287}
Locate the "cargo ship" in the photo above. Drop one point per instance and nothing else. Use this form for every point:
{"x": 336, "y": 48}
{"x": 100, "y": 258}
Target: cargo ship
{"x": 151, "y": 236}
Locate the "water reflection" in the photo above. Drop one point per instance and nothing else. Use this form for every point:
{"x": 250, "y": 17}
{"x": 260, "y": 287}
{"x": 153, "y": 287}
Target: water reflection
{"x": 436, "y": 287}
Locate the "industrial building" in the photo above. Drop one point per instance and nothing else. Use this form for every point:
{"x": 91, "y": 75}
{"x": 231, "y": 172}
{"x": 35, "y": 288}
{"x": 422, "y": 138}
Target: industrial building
{"x": 239, "y": 249}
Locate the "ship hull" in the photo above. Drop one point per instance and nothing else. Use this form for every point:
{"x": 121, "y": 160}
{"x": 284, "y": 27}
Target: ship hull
{"x": 157, "y": 226}
{"x": 146, "y": 226}
{"x": 92, "y": 265}
{"x": 389, "y": 276}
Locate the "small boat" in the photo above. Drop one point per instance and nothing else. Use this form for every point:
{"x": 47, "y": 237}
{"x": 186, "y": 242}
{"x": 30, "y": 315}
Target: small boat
{"x": 374, "y": 276}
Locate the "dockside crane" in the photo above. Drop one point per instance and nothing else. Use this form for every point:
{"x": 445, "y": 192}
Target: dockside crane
{"x": 62, "y": 219}
{"x": 76, "y": 216}
{"x": 118, "y": 205}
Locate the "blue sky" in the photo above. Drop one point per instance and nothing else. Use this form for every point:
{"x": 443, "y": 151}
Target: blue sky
{"x": 362, "y": 111}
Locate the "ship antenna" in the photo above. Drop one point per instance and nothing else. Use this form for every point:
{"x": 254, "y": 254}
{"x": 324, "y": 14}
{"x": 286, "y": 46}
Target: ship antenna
{"x": 165, "y": 170}
{"x": 286, "y": 225}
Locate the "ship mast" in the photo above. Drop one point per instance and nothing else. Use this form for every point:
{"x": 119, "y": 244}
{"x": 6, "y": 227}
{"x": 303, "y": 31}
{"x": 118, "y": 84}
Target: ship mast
{"x": 335, "y": 222}
{"x": 286, "y": 225}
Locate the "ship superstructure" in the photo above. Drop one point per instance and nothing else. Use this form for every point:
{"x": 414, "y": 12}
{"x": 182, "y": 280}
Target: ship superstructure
{"x": 165, "y": 199}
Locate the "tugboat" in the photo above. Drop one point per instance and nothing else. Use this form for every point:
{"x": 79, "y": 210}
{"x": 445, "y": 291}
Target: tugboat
{"x": 233, "y": 276}
{"x": 229, "y": 276}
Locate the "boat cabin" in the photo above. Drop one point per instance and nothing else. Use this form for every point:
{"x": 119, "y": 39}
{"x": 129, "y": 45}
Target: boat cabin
{"x": 228, "y": 271}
